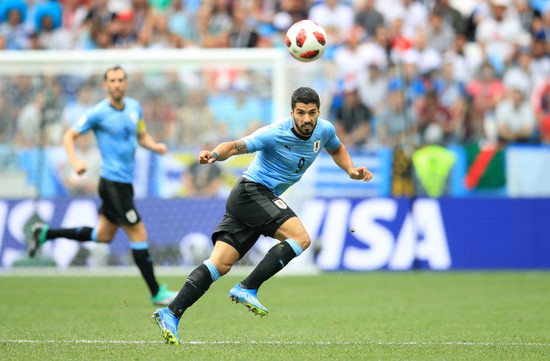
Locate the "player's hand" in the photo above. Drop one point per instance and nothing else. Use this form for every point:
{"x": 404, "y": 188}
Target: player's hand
{"x": 80, "y": 167}
{"x": 207, "y": 157}
{"x": 160, "y": 148}
{"x": 360, "y": 173}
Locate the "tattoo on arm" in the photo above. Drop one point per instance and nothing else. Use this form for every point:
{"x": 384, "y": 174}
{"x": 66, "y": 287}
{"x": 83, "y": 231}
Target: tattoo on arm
{"x": 240, "y": 147}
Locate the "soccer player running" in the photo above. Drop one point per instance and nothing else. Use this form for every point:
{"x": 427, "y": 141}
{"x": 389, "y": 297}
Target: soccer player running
{"x": 285, "y": 150}
{"x": 118, "y": 125}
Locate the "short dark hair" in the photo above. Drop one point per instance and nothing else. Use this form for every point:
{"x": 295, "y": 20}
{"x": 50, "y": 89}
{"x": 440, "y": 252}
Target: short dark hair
{"x": 305, "y": 95}
{"x": 116, "y": 67}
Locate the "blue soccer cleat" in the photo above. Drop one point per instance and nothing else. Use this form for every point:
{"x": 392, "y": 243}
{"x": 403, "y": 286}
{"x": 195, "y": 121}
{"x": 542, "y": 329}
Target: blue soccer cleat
{"x": 168, "y": 324}
{"x": 248, "y": 298}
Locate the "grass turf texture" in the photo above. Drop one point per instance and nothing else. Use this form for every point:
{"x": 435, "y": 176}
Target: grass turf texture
{"x": 353, "y": 316}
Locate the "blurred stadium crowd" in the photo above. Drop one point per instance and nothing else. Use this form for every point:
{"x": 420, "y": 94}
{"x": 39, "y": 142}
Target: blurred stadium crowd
{"x": 408, "y": 72}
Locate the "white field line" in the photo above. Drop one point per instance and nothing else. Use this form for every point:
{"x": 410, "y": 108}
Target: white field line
{"x": 320, "y": 343}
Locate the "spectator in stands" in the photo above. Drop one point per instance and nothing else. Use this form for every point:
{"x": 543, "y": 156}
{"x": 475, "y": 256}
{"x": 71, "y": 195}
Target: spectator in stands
{"x": 521, "y": 71}
{"x": 12, "y": 26}
{"x": 545, "y": 130}
{"x": 399, "y": 42}
{"x": 160, "y": 115}
{"x": 101, "y": 39}
{"x": 515, "y": 118}
{"x": 440, "y": 34}
{"x": 18, "y": 91}
{"x": 74, "y": 14}
{"x": 396, "y": 123}
{"x": 159, "y": 37}
{"x": 524, "y": 13}
{"x": 142, "y": 18}
{"x": 30, "y": 123}
{"x": 544, "y": 32}
{"x": 499, "y": 36}
{"x": 187, "y": 130}
{"x": 242, "y": 35}
{"x": 415, "y": 18}
{"x": 49, "y": 37}
{"x": 183, "y": 23}
{"x": 239, "y": 114}
{"x": 425, "y": 58}
{"x": 215, "y": 23}
{"x": 540, "y": 63}
{"x": 124, "y": 30}
{"x": 368, "y": 17}
{"x": 288, "y": 13}
{"x": 451, "y": 16}
{"x": 487, "y": 91}
{"x": 431, "y": 113}
{"x": 73, "y": 111}
{"x": 337, "y": 18}
{"x": 373, "y": 88}
{"x": 465, "y": 64}
{"x": 409, "y": 80}
{"x": 100, "y": 14}
{"x": 376, "y": 50}
{"x": 353, "y": 119}
{"x": 540, "y": 101}
{"x": 348, "y": 58}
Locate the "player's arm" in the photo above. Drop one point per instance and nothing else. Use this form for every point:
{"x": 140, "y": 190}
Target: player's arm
{"x": 223, "y": 151}
{"x": 146, "y": 140}
{"x": 69, "y": 139}
{"x": 342, "y": 158}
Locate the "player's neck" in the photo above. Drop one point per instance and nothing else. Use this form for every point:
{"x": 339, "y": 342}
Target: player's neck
{"x": 301, "y": 136}
{"x": 117, "y": 104}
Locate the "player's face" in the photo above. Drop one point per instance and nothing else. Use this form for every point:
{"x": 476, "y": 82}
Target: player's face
{"x": 115, "y": 84}
{"x": 305, "y": 118}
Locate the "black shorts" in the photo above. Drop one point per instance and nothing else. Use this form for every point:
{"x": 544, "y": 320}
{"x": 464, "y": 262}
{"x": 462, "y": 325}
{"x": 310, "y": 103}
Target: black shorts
{"x": 251, "y": 210}
{"x": 118, "y": 202}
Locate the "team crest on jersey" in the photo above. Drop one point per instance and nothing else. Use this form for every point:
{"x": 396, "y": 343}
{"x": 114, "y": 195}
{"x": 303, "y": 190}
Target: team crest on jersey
{"x": 134, "y": 117}
{"x": 280, "y": 203}
{"x": 316, "y": 146}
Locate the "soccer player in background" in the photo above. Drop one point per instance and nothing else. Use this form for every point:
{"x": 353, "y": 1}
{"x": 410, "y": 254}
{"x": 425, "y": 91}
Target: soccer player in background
{"x": 285, "y": 150}
{"x": 119, "y": 127}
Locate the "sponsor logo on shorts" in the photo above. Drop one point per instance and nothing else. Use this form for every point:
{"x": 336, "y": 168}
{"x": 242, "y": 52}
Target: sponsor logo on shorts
{"x": 131, "y": 216}
{"x": 280, "y": 203}
{"x": 316, "y": 146}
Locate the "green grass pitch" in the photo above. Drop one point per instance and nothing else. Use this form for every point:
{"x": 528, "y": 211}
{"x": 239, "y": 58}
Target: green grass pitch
{"x": 336, "y": 316}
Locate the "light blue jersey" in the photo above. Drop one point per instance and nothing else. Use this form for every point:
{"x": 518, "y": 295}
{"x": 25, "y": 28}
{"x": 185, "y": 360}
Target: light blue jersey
{"x": 116, "y": 132}
{"x": 283, "y": 156}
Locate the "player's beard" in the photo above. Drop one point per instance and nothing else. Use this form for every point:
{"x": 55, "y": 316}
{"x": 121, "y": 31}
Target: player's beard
{"x": 304, "y": 132}
{"x": 116, "y": 95}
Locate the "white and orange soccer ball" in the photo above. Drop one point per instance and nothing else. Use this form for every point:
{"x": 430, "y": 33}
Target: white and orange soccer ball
{"x": 306, "y": 40}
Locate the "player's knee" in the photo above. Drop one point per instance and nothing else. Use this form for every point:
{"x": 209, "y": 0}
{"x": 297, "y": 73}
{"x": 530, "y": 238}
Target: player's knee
{"x": 105, "y": 237}
{"x": 304, "y": 241}
{"x": 224, "y": 268}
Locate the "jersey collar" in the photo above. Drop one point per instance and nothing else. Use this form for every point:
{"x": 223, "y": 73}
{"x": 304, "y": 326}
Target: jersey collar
{"x": 298, "y": 135}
